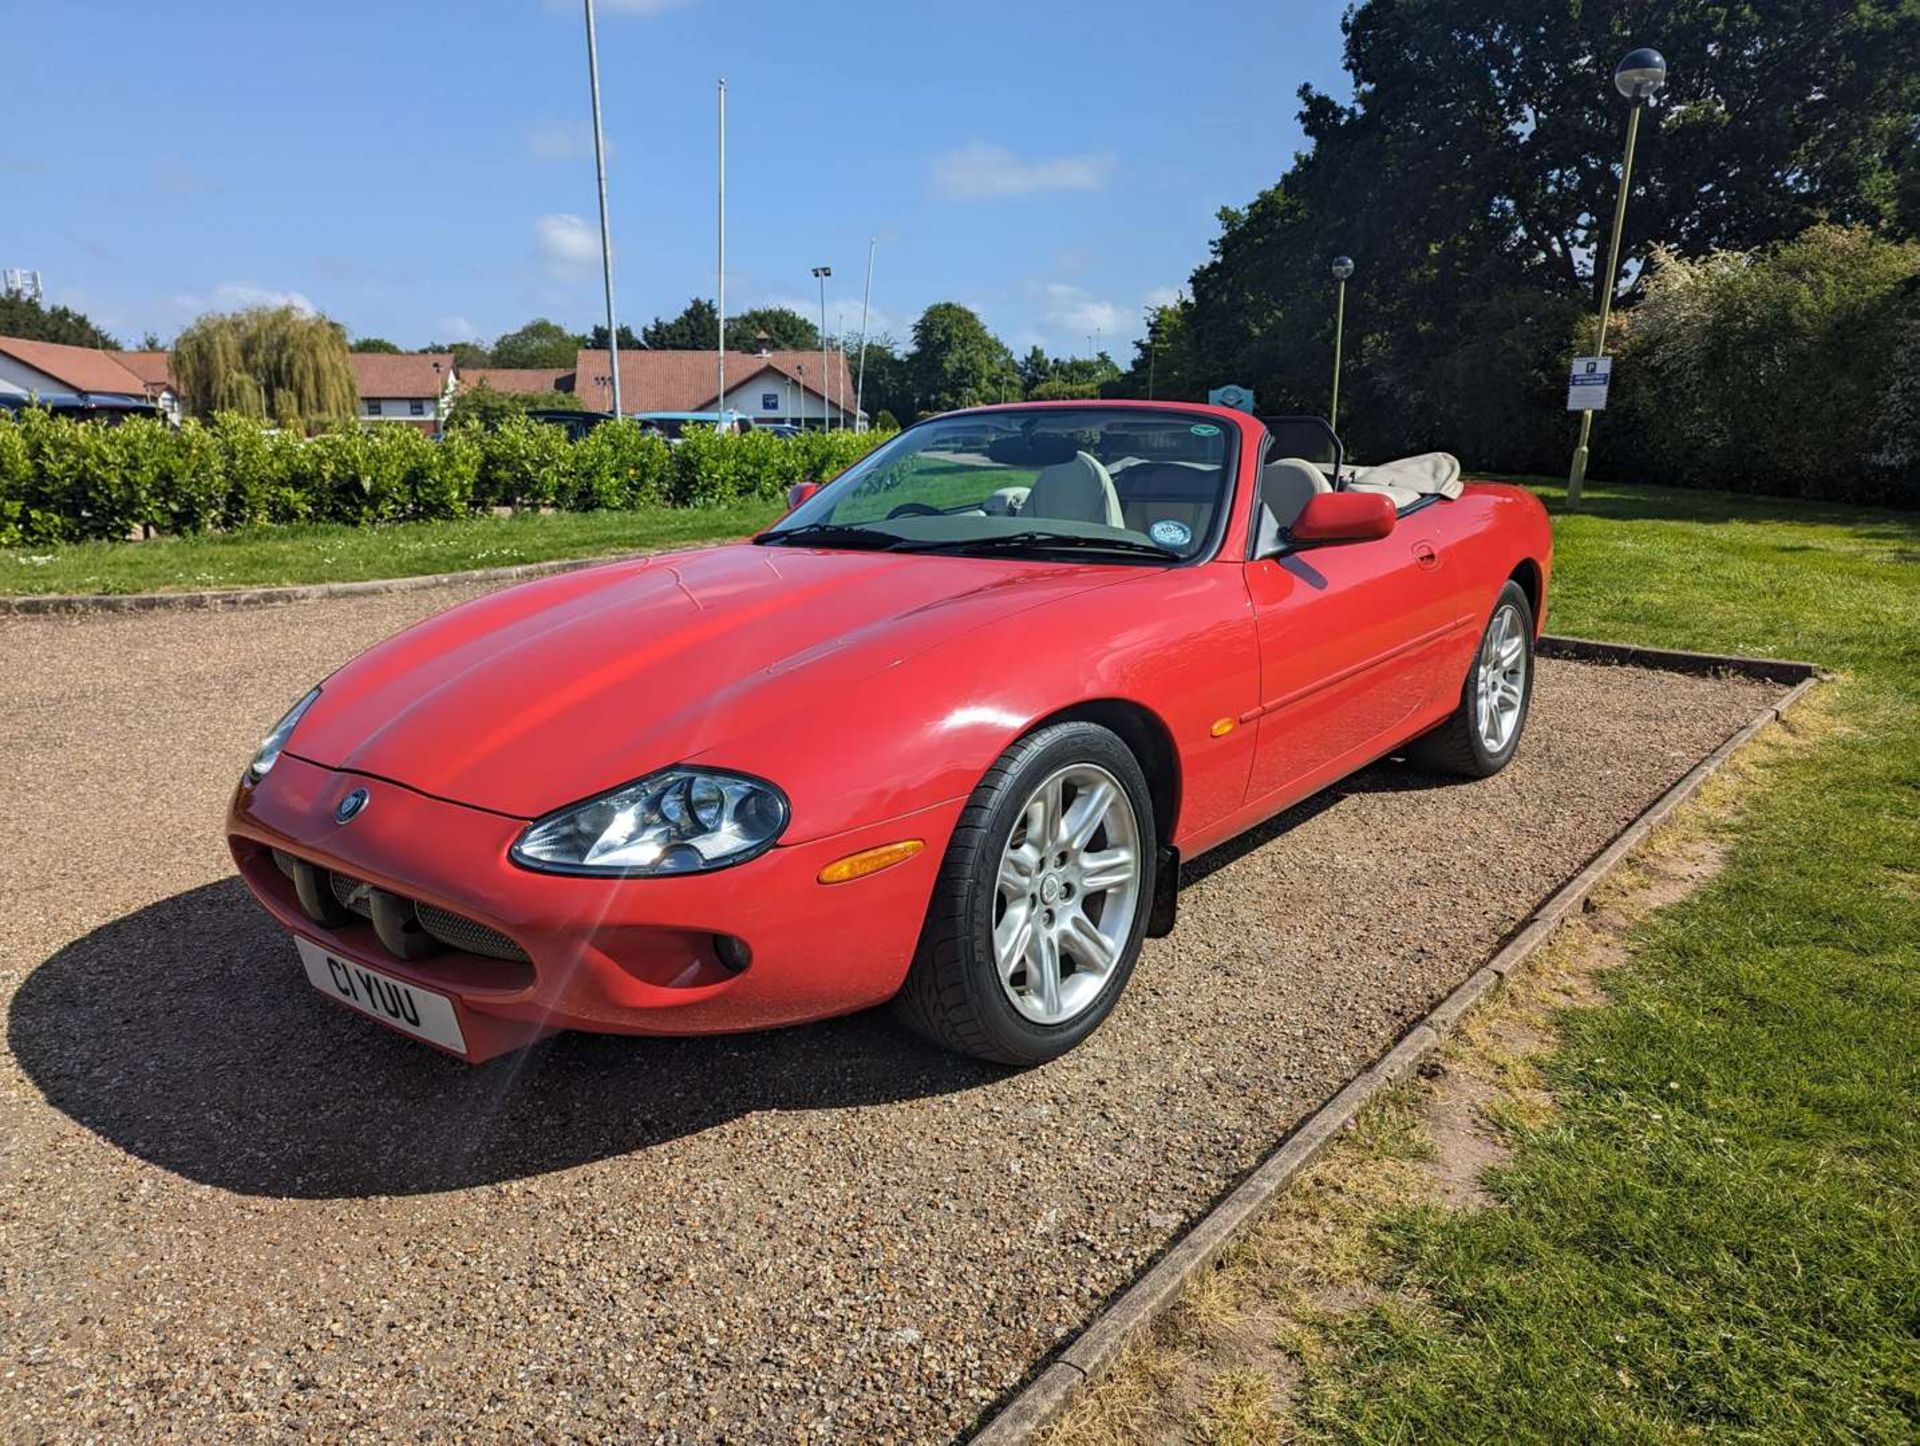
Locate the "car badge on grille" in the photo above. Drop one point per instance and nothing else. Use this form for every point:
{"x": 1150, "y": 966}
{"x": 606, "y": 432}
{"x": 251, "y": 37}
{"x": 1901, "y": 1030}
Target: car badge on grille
{"x": 348, "y": 808}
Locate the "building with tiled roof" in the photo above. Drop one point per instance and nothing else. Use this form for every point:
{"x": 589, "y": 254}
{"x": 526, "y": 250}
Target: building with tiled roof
{"x": 772, "y": 386}
{"x": 415, "y": 388}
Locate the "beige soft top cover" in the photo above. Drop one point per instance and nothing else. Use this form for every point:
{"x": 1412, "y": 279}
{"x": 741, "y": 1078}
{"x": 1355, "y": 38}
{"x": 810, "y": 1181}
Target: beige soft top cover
{"x": 1431, "y": 474}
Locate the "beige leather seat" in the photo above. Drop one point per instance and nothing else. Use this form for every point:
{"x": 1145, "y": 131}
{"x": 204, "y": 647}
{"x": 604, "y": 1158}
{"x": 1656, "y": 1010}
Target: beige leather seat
{"x": 1076, "y": 491}
{"x": 1285, "y": 486}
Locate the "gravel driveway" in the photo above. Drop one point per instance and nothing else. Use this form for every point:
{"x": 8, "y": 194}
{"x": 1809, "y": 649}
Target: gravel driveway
{"x": 230, "y": 1210}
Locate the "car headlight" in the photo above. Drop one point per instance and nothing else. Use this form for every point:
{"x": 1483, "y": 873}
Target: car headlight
{"x": 677, "y": 821}
{"x": 271, "y": 745}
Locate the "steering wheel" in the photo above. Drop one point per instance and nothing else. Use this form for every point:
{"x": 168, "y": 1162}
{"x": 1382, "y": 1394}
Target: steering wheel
{"x": 914, "y": 509}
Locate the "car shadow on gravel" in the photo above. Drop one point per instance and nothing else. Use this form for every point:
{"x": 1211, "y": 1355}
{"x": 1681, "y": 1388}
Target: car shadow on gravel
{"x": 1392, "y": 775}
{"x": 186, "y": 1034}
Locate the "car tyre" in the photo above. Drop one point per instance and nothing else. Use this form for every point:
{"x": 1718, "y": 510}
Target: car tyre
{"x": 1003, "y": 905}
{"x": 1482, "y": 734}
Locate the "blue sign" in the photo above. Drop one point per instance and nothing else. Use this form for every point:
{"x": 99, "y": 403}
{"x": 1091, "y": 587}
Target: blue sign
{"x": 769, "y": 401}
{"x": 1239, "y": 398}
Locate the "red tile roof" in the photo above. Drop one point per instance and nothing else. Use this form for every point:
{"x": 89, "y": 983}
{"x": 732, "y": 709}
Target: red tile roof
{"x": 409, "y": 374}
{"x": 77, "y": 368}
{"x": 155, "y": 368}
{"x": 688, "y": 381}
{"x": 518, "y": 379}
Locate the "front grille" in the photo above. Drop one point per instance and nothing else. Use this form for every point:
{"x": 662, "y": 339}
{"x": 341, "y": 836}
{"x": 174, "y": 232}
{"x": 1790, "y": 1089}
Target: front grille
{"x": 398, "y": 921}
{"x": 352, "y": 894}
{"x": 458, "y": 932}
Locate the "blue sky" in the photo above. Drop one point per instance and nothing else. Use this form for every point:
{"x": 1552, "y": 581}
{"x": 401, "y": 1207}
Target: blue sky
{"x": 424, "y": 171}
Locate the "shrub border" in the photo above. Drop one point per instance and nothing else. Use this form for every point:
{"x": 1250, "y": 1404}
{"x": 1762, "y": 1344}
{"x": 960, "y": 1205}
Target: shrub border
{"x": 1054, "y": 1386}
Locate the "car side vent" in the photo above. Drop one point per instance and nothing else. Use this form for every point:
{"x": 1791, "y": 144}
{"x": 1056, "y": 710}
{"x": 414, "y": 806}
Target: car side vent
{"x": 468, "y": 935}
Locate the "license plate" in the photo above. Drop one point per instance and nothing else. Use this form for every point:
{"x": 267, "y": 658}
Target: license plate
{"x": 406, "y": 1007}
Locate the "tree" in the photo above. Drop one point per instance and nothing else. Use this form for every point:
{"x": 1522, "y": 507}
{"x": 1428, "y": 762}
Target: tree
{"x": 480, "y": 405}
{"x": 270, "y": 363}
{"x": 957, "y": 362}
{"x": 1472, "y": 179}
{"x": 786, "y": 330}
{"x": 695, "y": 329}
{"x": 540, "y": 343}
{"x": 465, "y": 354}
{"x": 27, "y": 319}
{"x": 597, "y": 338}
{"x": 887, "y": 388}
{"x": 376, "y": 345}
{"x": 1163, "y": 363}
{"x": 1035, "y": 367}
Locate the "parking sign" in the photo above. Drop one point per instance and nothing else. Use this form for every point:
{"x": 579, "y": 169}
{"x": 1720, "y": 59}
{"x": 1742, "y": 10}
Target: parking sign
{"x": 1587, "y": 385}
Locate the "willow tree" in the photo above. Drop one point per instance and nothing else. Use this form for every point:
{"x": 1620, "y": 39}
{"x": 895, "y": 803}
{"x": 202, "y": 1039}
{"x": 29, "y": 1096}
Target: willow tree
{"x": 270, "y": 363}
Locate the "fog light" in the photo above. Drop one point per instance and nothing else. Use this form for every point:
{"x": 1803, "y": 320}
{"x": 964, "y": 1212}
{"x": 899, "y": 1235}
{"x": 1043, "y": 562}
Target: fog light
{"x": 732, "y": 952}
{"x": 870, "y": 861}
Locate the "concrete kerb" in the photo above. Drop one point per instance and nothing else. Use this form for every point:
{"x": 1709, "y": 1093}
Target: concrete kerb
{"x": 1040, "y": 1403}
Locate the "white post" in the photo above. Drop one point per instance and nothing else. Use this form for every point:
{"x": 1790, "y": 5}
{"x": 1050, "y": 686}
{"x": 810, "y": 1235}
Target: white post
{"x": 866, "y": 303}
{"x": 721, "y": 404}
{"x": 606, "y": 235}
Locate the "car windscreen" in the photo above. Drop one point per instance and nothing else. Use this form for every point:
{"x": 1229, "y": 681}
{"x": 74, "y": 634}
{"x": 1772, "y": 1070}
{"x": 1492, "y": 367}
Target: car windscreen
{"x": 1141, "y": 480}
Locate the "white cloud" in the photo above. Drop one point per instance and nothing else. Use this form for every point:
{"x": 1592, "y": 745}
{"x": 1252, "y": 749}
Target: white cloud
{"x": 1164, "y": 296}
{"x": 843, "y": 313}
{"x": 1079, "y": 314}
{"x": 238, "y": 295}
{"x": 562, "y": 141}
{"x": 456, "y": 328}
{"x": 569, "y": 246}
{"x": 982, "y": 172}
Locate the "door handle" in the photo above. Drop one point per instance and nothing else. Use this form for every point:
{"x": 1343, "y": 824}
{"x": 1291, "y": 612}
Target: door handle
{"x": 1425, "y": 556}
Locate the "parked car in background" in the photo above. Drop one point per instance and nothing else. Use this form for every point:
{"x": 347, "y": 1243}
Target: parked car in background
{"x": 942, "y": 735}
{"x": 577, "y": 424}
{"x": 83, "y": 408}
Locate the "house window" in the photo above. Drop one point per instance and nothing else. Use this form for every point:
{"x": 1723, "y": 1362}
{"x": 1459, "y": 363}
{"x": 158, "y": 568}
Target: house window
{"x": 373, "y": 409}
{"x": 417, "y": 407}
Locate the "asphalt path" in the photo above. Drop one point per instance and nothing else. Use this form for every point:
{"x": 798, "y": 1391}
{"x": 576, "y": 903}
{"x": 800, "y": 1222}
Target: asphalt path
{"x": 232, "y": 1210}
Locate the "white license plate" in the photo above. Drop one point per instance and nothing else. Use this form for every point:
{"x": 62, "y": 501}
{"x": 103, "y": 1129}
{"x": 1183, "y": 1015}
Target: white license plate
{"x": 406, "y": 1007}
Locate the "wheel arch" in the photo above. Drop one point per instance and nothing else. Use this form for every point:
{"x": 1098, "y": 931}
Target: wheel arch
{"x": 1528, "y": 575}
{"x": 1147, "y": 734}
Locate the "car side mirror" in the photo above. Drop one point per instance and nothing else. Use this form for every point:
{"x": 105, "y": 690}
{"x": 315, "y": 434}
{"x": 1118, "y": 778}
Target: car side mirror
{"x": 800, "y": 492}
{"x": 1344, "y": 517}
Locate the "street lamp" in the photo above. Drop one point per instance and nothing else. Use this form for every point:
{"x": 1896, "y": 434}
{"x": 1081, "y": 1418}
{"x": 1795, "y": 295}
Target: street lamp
{"x": 820, "y": 274}
{"x": 1639, "y": 77}
{"x": 1342, "y": 268}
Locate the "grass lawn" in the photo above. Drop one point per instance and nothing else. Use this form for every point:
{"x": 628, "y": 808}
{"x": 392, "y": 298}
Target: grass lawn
{"x": 265, "y": 556}
{"x": 1715, "y": 1231}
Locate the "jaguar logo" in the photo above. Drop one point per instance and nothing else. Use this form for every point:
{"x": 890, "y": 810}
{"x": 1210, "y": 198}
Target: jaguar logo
{"x": 348, "y": 808}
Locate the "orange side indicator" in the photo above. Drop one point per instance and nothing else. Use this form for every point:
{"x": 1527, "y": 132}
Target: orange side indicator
{"x": 870, "y": 861}
{"x": 1222, "y": 728}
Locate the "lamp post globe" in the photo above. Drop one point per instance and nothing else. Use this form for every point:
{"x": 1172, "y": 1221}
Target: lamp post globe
{"x": 1640, "y": 75}
{"x": 1342, "y": 267}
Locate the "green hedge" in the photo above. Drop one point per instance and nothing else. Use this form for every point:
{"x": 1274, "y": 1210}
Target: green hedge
{"x": 68, "y": 481}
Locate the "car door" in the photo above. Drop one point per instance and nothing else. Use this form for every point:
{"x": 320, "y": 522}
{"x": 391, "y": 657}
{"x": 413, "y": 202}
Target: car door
{"x": 1349, "y": 635}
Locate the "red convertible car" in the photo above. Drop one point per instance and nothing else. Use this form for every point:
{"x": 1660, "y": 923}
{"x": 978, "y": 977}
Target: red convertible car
{"x": 940, "y": 736}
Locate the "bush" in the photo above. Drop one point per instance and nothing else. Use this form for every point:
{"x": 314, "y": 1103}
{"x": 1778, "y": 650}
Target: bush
{"x": 1790, "y": 371}
{"x": 63, "y": 480}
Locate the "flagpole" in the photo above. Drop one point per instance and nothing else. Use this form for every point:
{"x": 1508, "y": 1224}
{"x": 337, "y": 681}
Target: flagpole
{"x": 721, "y": 404}
{"x": 866, "y": 303}
{"x": 606, "y": 235}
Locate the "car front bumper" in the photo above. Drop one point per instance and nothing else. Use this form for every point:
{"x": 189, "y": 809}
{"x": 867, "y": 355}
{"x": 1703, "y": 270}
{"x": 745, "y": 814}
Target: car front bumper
{"x": 760, "y": 944}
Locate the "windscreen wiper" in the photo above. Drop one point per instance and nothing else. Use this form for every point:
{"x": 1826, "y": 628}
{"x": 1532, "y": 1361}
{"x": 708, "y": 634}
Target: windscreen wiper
{"x": 1036, "y": 541}
{"x": 831, "y": 534}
